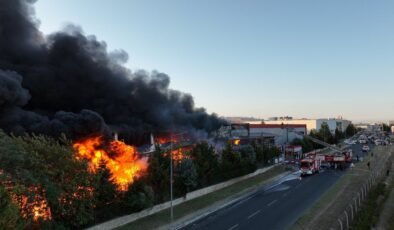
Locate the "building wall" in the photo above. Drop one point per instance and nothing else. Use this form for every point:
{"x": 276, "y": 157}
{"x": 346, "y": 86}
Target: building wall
{"x": 310, "y": 124}
{"x": 282, "y": 135}
{"x": 316, "y": 123}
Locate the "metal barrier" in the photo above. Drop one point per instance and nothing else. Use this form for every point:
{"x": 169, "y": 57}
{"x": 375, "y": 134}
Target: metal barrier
{"x": 344, "y": 220}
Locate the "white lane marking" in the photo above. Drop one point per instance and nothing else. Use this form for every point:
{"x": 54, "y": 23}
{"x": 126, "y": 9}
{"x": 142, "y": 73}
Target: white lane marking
{"x": 273, "y": 202}
{"x": 233, "y": 227}
{"x": 255, "y": 213}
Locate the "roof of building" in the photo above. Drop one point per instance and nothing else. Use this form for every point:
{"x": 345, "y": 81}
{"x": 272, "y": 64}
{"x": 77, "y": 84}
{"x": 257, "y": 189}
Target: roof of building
{"x": 272, "y": 126}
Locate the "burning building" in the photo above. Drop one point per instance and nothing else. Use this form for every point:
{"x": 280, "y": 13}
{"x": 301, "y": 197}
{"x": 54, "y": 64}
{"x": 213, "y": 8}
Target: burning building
{"x": 69, "y": 83}
{"x": 119, "y": 158}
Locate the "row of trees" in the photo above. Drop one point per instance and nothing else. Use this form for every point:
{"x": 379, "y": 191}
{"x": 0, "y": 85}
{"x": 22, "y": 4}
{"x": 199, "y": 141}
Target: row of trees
{"x": 43, "y": 171}
{"x": 324, "y": 134}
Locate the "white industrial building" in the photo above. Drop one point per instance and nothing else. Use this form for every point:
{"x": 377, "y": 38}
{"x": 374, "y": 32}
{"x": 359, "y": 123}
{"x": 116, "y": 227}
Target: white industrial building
{"x": 311, "y": 124}
{"x": 282, "y": 133}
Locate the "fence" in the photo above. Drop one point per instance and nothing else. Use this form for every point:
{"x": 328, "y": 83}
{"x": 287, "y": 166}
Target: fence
{"x": 345, "y": 219}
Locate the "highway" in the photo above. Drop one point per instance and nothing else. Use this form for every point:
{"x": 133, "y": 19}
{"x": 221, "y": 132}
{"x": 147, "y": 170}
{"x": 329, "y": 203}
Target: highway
{"x": 275, "y": 207}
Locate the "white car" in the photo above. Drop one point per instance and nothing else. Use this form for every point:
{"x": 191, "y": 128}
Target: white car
{"x": 365, "y": 148}
{"x": 362, "y": 141}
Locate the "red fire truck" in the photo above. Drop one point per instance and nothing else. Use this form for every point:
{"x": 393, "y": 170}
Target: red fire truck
{"x": 312, "y": 162}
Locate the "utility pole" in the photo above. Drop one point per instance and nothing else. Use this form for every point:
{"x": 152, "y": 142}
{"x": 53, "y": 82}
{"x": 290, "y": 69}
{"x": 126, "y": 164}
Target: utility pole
{"x": 171, "y": 176}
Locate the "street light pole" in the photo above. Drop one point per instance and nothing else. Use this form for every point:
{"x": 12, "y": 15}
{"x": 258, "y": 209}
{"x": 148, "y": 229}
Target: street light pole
{"x": 171, "y": 196}
{"x": 171, "y": 178}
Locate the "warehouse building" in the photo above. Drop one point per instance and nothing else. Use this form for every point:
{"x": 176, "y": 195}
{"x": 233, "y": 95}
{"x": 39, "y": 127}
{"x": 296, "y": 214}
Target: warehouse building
{"x": 333, "y": 123}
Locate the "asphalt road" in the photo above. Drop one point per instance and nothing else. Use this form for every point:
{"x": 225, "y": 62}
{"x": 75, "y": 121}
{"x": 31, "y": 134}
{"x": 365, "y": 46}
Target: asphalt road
{"x": 277, "y": 207}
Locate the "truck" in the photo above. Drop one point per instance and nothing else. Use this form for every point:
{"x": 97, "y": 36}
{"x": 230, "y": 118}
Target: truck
{"x": 311, "y": 164}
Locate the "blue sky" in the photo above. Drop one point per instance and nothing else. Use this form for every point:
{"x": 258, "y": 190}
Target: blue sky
{"x": 262, "y": 58}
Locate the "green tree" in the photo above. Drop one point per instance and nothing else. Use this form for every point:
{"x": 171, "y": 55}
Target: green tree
{"x": 248, "y": 154}
{"x": 325, "y": 133}
{"x": 45, "y": 167}
{"x": 9, "y": 213}
{"x": 271, "y": 153}
{"x": 259, "y": 150}
{"x": 230, "y": 165}
{"x": 105, "y": 189}
{"x": 338, "y": 136}
{"x": 139, "y": 196}
{"x": 350, "y": 130}
{"x": 307, "y": 145}
{"x": 158, "y": 175}
{"x": 386, "y": 128}
{"x": 186, "y": 176}
{"x": 248, "y": 161}
{"x": 206, "y": 163}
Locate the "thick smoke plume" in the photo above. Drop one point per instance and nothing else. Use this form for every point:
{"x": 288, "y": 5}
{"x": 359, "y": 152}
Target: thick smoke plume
{"x": 69, "y": 83}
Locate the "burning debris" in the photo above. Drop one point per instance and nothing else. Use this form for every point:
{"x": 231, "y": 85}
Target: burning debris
{"x": 120, "y": 159}
{"x": 180, "y": 153}
{"x": 69, "y": 83}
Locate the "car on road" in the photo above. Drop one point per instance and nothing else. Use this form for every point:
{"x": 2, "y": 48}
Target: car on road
{"x": 362, "y": 141}
{"x": 365, "y": 148}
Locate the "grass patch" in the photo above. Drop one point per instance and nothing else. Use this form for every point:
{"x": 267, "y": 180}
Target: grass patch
{"x": 371, "y": 209}
{"x": 223, "y": 195}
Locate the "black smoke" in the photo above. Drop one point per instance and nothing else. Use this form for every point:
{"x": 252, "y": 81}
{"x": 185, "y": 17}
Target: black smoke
{"x": 69, "y": 83}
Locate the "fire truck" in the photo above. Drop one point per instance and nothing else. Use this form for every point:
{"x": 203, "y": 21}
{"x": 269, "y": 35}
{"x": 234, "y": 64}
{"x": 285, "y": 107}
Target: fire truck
{"x": 337, "y": 158}
{"x": 311, "y": 164}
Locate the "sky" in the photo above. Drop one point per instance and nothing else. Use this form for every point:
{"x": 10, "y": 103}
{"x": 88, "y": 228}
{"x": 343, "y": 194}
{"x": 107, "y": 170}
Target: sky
{"x": 260, "y": 58}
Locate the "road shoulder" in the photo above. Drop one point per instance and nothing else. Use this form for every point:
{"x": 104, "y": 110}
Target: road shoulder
{"x": 386, "y": 220}
{"x": 192, "y": 210}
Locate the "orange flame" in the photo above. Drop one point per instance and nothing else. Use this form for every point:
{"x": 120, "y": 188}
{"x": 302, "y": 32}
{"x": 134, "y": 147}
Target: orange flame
{"x": 237, "y": 141}
{"x": 37, "y": 208}
{"x": 119, "y": 158}
{"x": 180, "y": 153}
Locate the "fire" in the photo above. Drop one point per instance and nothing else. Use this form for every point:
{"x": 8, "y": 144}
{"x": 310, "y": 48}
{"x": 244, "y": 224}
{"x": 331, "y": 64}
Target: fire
{"x": 162, "y": 140}
{"x": 119, "y": 158}
{"x": 41, "y": 210}
{"x": 37, "y": 207}
{"x": 168, "y": 138}
{"x": 180, "y": 153}
{"x": 237, "y": 141}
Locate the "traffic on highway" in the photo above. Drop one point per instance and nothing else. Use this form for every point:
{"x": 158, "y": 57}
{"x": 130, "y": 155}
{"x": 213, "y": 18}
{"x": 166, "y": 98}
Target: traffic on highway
{"x": 279, "y": 205}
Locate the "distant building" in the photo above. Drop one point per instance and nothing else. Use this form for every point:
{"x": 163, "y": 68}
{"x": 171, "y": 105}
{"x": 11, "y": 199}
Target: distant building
{"x": 282, "y": 133}
{"x": 311, "y": 124}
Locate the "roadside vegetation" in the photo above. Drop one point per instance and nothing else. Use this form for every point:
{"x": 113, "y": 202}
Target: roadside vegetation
{"x": 43, "y": 185}
{"x": 324, "y": 134}
{"x": 370, "y": 211}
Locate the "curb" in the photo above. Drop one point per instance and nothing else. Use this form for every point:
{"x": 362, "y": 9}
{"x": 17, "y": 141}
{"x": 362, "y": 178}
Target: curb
{"x": 244, "y": 197}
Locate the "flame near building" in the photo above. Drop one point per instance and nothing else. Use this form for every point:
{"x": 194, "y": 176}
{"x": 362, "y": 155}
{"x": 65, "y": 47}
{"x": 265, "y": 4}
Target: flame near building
{"x": 119, "y": 158}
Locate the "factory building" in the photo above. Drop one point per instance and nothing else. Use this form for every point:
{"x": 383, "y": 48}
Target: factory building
{"x": 279, "y": 134}
{"x": 333, "y": 123}
{"x": 283, "y": 133}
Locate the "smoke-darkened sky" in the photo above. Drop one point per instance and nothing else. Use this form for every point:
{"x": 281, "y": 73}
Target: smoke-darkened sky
{"x": 262, "y": 58}
{"x": 68, "y": 82}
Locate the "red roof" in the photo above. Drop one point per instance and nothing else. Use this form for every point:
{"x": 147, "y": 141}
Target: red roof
{"x": 277, "y": 126}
